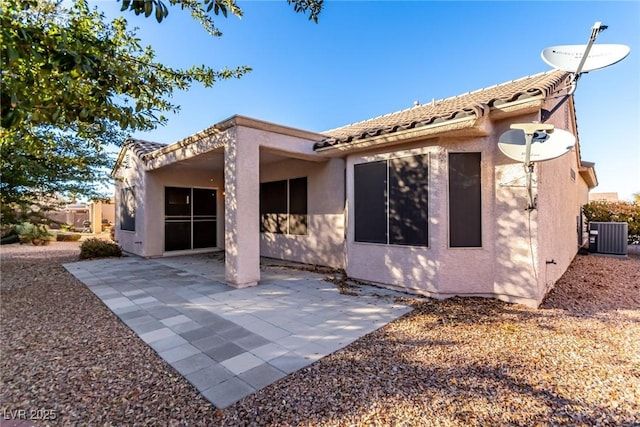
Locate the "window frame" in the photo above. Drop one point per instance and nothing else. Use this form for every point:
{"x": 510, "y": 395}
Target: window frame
{"x": 127, "y": 217}
{"x": 298, "y": 208}
{"x": 192, "y": 217}
{"x": 423, "y": 159}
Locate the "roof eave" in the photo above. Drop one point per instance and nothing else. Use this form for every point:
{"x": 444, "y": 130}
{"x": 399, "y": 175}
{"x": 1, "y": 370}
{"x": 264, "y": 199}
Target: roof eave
{"x": 517, "y": 108}
{"x": 213, "y": 138}
{"x": 117, "y": 163}
{"x": 460, "y": 125}
{"x": 587, "y": 171}
{"x": 120, "y": 158}
{"x": 473, "y": 125}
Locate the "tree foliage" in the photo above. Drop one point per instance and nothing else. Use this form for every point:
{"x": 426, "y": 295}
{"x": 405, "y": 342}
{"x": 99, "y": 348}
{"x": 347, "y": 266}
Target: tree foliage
{"x": 71, "y": 67}
{"x": 628, "y": 212}
{"x": 201, "y": 9}
{"x": 74, "y": 83}
{"x": 41, "y": 162}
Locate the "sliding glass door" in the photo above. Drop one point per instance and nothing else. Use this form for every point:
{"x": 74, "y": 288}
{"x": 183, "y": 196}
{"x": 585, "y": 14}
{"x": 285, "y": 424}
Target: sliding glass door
{"x": 189, "y": 218}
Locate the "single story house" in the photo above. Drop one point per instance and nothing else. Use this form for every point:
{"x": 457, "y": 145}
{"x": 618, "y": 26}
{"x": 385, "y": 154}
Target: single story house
{"x": 420, "y": 200}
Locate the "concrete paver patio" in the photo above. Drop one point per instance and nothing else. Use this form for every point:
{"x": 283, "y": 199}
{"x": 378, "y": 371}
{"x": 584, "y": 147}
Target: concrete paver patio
{"x": 232, "y": 342}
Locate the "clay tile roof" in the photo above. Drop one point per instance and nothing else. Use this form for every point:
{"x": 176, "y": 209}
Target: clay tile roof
{"x": 446, "y": 109}
{"x": 141, "y": 148}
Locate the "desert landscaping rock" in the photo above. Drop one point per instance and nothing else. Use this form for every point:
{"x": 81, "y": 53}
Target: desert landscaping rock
{"x": 458, "y": 362}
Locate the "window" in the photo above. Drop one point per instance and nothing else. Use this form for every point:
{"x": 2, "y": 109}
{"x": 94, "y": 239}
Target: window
{"x": 391, "y": 201}
{"x": 127, "y": 209}
{"x": 283, "y": 206}
{"x": 465, "y": 209}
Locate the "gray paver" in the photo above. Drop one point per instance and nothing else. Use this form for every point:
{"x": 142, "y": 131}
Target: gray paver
{"x": 133, "y": 314}
{"x": 228, "y": 392}
{"x": 163, "y": 312}
{"x": 167, "y": 343}
{"x": 181, "y": 328}
{"x": 178, "y": 353}
{"x": 193, "y": 363}
{"x": 234, "y": 333}
{"x": 197, "y": 334}
{"x": 269, "y": 351}
{"x": 208, "y": 377}
{"x": 251, "y": 341}
{"x": 242, "y": 363}
{"x": 231, "y": 342}
{"x": 290, "y": 362}
{"x": 124, "y": 310}
{"x": 210, "y": 342}
{"x": 261, "y": 376}
{"x": 118, "y": 302}
{"x": 156, "y": 335}
{"x": 175, "y": 320}
{"x": 225, "y": 351}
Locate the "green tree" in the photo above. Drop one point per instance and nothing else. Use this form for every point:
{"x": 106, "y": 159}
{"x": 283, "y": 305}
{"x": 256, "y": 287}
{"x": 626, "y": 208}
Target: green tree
{"x": 73, "y": 83}
{"x": 41, "y": 162}
{"x": 628, "y": 212}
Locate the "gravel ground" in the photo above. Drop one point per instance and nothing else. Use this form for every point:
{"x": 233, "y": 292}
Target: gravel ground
{"x": 458, "y": 362}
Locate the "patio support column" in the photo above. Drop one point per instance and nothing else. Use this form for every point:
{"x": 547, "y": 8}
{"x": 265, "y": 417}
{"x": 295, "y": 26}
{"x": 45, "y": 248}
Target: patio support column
{"x": 242, "y": 213}
{"x": 95, "y": 213}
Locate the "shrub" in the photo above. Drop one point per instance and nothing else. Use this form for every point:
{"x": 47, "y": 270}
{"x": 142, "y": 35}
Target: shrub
{"x": 34, "y": 233}
{"x": 98, "y": 248}
{"x": 9, "y": 237}
{"x": 68, "y": 237}
{"x": 628, "y": 212}
{"x": 66, "y": 227}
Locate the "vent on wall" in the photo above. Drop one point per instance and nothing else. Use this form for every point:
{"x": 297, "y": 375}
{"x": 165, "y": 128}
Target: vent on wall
{"x": 608, "y": 238}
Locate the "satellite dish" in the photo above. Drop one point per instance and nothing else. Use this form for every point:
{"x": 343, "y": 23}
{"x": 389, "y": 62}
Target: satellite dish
{"x": 569, "y": 57}
{"x": 534, "y": 142}
{"x": 544, "y": 145}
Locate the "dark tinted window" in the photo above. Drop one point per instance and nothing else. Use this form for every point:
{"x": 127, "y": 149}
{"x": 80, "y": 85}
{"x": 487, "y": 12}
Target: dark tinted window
{"x": 298, "y": 206}
{"x": 190, "y": 218}
{"x": 177, "y": 201}
{"x": 408, "y": 201}
{"x": 465, "y": 209}
{"x": 393, "y": 212}
{"x": 204, "y": 202}
{"x": 273, "y": 207}
{"x": 370, "y": 202}
{"x": 127, "y": 209}
{"x": 283, "y": 206}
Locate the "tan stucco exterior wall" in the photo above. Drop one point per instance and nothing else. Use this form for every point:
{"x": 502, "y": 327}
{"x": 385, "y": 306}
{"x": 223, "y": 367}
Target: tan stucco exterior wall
{"x": 561, "y": 194}
{"x": 148, "y": 238}
{"x": 130, "y": 174}
{"x": 436, "y": 270}
{"x": 510, "y": 265}
{"x": 324, "y": 242}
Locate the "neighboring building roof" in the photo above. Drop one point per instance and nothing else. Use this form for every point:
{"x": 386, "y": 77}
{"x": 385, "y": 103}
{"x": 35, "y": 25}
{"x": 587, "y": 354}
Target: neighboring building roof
{"x": 603, "y": 197}
{"x": 543, "y": 84}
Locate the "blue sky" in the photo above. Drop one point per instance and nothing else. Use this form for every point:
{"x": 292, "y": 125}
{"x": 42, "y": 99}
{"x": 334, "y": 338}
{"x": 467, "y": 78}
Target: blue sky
{"x": 367, "y": 58}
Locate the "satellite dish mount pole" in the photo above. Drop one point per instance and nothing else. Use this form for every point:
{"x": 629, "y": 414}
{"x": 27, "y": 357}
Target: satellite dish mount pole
{"x": 595, "y": 30}
{"x": 530, "y": 130}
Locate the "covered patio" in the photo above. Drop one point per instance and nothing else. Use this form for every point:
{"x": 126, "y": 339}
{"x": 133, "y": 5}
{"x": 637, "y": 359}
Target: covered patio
{"x": 239, "y": 186}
